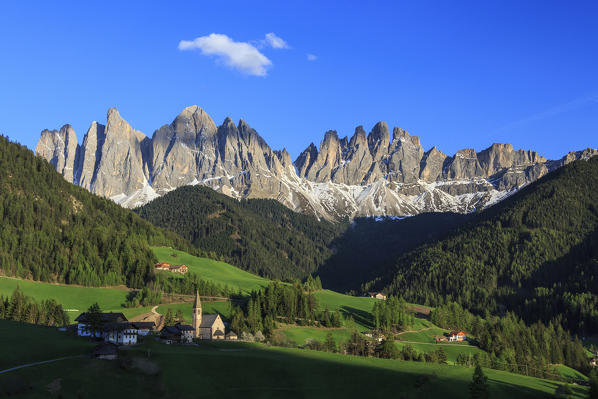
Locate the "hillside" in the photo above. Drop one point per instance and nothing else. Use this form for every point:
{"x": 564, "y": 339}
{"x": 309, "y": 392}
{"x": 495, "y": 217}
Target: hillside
{"x": 535, "y": 253}
{"x": 371, "y": 246}
{"x": 252, "y": 370}
{"x": 260, "y": 236}
{"x": 55, "y": 231}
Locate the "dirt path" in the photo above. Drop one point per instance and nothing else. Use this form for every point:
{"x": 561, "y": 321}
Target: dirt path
{"x": 39, "y": 363}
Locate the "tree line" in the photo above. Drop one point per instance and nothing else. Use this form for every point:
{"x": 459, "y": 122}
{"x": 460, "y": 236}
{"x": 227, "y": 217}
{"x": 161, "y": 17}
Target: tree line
{"x": 280, "y": 302}
{"x": 19, "y": 307}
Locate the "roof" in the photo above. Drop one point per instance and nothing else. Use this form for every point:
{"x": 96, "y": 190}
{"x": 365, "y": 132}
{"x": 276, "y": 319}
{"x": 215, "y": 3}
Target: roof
{"x": 106, "y": 317}
{"x": 184, "y": 327}
{"x": 230, "y": 333}
{"x": 208, "y": 320}
{"x": 457, "y": 333}
{"x": 143, "y": 325}
{"x": 178, "y": 266}
{"x": 218, "y": 333}
{"x": 197, "y": 303}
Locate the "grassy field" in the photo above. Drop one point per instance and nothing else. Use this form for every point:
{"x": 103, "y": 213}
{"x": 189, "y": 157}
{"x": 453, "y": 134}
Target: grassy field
{"x": 229, "y": 369}
{"x": 451, "y": 350}
{"x": 208, "y": 269}
{"x": 24, "y": 343}
{"x": 300, "y": 335}
{"x": 74, "y": 299}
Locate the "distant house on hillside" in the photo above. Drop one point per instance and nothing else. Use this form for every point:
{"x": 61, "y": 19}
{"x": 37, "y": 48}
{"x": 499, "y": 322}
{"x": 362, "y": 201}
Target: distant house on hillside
{"x": 594, "y": 362}
{"x": 182, "y": 269}
{"x": 231, "y": 336}
{"x": 457, "y": 336}
{"x": 440, "y": 338}
{"x": 377, "y": 295}
{"x": 162, "y": 266}
{"x": 167, "y": 267}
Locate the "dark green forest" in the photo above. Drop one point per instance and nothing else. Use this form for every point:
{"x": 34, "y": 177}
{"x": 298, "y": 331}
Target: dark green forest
{"x": 55, "y": 231}
{"x": 257, "y": 235}
{"x": 368, "y": 247}
{"x": 535, "y": 253}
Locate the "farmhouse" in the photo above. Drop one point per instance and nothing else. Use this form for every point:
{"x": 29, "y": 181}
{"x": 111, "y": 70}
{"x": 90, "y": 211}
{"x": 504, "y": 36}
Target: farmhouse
{"x": 177, "y": 334}
{"x": 457, "y": 336}
{"x": 165, "y": 266}
{"x": 182, "y": 269}
{"x": 111, "y": 327}
{"x": 230, "y": 336}
{"x": 162, "y": 266}
{"x": 123, "y": 333}
{"x": 85, "y": 323}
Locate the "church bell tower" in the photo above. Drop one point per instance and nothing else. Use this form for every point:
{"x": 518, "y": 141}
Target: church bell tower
{"x": 196, "y": 315}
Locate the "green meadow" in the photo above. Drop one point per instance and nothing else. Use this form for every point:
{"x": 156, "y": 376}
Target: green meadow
{"x": 75, "y": 299}
{"x": 229, "y": 369}
{"x": 208, "y": 269}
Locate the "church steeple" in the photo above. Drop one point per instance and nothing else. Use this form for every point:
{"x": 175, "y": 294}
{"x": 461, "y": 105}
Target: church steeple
{"x": 196, "y": 314}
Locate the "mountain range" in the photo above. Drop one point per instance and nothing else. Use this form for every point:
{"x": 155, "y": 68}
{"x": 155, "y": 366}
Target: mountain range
{"x": 366, "y": 175}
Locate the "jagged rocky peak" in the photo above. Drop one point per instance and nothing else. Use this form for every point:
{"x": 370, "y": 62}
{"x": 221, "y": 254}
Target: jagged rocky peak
{"x": 432, "y": 165}
{"x": 90, "y": 154}
{"x": 366, "y": 175}
{"x": 379, "y": 140}
{"x": 59, "y": 147}
{"x": 305, "y": 160}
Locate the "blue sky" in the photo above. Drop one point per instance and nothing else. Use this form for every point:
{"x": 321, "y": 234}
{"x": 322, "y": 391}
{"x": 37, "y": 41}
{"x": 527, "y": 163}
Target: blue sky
{"x": 457, "y": 74}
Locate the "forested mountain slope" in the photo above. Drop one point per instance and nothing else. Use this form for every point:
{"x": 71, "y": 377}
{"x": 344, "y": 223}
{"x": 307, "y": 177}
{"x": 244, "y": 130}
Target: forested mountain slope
{"x": 261, "y": 236}
{"x": 55, "y": 231}
{"x": 535, "y": 253}
{"x": 371, "y": 246}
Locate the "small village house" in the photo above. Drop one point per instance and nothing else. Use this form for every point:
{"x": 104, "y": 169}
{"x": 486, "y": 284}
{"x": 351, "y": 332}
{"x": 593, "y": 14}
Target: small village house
{"x": 181, "y": 269}
{"x": 457, "y": 336}
{"x": 162, "y": 266}
{"x": 84, "y": 329}
{"x": 594, "y": 362}
{"x": 231, "y": 336}
{"x": 177, "y": 334}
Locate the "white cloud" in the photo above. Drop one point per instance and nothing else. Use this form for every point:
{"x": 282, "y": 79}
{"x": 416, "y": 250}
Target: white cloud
{"x": 311, "y": 57}
{"x": 275, "y": 41}
{"x": 239, "y": 55}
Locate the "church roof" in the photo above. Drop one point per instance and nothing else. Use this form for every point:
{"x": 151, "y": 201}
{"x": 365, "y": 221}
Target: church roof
{"x": 197, "y": 303}
{"x": 208, "y": 320}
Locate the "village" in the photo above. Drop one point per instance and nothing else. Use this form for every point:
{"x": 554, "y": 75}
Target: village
{"x": 115, "y": 330}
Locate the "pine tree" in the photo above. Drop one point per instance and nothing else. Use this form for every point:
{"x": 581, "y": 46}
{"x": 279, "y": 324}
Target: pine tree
{"x": 478, "y": 388}
{"x": 169, "y": 318}
{"x": 330, "y": 344}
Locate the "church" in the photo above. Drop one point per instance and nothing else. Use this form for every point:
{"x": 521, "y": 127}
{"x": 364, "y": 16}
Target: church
{"x": 209, "y": 326}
